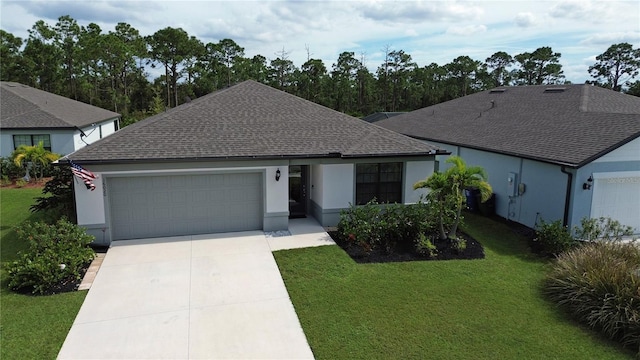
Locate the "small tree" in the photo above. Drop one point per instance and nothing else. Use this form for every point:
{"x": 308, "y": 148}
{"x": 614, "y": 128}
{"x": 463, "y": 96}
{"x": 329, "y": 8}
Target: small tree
{"x": 36, "y": 155}
{"x": 447, "y": 192}
{"x": 58, "y": 195}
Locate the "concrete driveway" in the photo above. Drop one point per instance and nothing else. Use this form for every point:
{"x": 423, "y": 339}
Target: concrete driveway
{"x": 193, "y": 297}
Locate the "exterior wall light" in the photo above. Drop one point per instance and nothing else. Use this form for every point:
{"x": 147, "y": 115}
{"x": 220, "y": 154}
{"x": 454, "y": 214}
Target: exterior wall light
{"x": 278, "y": 174}
{"x": 587, "y": 185}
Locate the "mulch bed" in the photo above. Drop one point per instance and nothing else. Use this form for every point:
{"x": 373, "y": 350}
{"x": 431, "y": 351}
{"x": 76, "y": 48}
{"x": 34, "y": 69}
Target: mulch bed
{"x": 33, "y": 184}
{"x": 474, "y": 250}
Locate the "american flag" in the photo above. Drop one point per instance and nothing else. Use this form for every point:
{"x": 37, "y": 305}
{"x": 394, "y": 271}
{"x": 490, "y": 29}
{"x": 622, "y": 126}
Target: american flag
{"x": 85, "y": 175}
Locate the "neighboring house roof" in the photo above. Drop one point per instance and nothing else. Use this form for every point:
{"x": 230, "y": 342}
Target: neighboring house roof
{"x": 381, "y": 115}
{"x": 24, "y": 107}
{"x": 569, "y": 125}
{"x": 249, "y": 121}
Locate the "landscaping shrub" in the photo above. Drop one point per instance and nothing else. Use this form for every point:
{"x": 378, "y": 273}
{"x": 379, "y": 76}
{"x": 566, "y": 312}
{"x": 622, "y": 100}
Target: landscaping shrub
{"x": 383, "y": 227}
{"x": 58, "y": 195}
{"x": 599, "y": 284}
{"x": 56, "y": 256}
{"x": 554, "y": 238}
{"x": 9, "y": 170}
{"x": 603, "y": 229}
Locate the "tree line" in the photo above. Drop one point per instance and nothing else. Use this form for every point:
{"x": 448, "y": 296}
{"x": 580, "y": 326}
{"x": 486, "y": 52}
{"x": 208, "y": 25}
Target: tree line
{"x": 107, "y": 69}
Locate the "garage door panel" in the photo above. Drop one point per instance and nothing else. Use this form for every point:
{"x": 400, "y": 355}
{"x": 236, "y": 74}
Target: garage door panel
{"x": 155, "y": 206}
{"x": 617, "y": 198}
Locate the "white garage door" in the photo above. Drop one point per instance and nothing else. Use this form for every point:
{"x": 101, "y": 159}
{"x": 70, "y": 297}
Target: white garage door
{"x": 157, "y": 206}
{"x": 617, "y": 195}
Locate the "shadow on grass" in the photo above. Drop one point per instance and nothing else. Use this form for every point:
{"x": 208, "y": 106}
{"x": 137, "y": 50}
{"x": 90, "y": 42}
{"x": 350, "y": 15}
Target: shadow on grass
{"x": 495, "y": 235}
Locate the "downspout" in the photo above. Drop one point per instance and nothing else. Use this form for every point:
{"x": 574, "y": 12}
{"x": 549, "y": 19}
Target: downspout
{"x": 567, "y": 198}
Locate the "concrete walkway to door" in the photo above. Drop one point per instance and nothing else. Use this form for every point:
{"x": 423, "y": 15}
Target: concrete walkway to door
{"x": 216, "y": 296}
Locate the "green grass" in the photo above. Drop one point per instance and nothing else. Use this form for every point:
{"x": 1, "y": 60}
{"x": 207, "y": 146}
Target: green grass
{"x": 31, "y": 327}
{"x": 463, "y": 309}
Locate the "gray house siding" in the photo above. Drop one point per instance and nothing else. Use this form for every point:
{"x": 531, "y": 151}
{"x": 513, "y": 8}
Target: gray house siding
{"x": 544, "y": 184}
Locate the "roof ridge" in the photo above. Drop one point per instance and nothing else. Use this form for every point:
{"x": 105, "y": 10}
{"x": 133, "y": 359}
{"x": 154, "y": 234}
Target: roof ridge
{"x": 584, "y": 100}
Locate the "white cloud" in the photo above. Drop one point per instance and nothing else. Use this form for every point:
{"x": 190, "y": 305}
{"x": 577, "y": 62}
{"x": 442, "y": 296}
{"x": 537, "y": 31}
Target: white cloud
{"x": 418, "y": 11}
{"x": 466, "y": 30}
{"x": 525, "y": 19}
{"x": 632, "y": 37}
{"x": 581, "y": 10}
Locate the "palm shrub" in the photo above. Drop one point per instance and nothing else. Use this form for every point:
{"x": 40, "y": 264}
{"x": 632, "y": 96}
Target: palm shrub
{"x": 56, "y": 256}
{"x": 447, "y": 192}
{"x": 599, "y": 284}
{"x": 35, "y": 155}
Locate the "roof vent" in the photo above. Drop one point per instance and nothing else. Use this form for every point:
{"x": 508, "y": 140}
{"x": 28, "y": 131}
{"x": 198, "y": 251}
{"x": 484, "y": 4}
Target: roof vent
{"x": 555, "y": 90}
{"x": 493, "y": 91}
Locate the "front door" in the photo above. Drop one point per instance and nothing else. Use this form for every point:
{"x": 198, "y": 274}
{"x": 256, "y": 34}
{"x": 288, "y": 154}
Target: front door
{"x": 298, "y": 190}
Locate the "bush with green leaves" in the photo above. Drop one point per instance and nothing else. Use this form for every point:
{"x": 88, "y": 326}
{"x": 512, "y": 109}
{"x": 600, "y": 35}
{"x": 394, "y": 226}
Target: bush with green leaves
{"x": 9, "y": 170}
{"x": 554, "y": 238}
{"x": 58, "y": 195}
{"x": 602, "y": 229}
{"x": 599, "y": 284}
{"x": 56, "y": 256}
{"x": 385, "y": 227}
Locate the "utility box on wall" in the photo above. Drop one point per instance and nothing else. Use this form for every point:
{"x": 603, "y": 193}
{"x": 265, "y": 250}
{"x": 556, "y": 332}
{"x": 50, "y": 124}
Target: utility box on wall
{"x": 512, "y": 184}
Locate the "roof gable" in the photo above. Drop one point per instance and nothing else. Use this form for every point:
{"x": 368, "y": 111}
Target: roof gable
{"x": 569, "y": 124}
{"x": 24, "y": 107}
{"x": 249, "y": 120}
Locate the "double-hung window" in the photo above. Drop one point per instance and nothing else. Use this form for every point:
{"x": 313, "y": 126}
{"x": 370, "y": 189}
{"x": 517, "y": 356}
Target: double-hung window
{"x": 381, "y": 181}
{"x": 31, "y": 140}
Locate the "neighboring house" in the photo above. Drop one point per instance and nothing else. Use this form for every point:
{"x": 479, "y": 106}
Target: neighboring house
{"x": 381, "y": 115}
{"x": 29, "y": 116}
{"x": 551, "y": 152}
{"x": 244, "y": 158}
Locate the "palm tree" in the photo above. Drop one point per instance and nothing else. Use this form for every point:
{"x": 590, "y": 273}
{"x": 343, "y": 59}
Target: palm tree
{"x": 36, "y": 155}
{"x": 447, "y": 190}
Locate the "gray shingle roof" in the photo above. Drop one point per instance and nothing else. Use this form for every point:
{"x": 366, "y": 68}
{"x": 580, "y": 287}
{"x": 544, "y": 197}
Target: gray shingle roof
{"x": 571, "y": 125}
{"x": 24, "y": 107}
{"x": 249, "y": 120}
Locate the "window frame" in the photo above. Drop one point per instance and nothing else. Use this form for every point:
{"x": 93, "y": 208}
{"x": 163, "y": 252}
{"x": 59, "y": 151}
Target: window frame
{"x": 33, "y": 140}
{"x": 374, "y": 180}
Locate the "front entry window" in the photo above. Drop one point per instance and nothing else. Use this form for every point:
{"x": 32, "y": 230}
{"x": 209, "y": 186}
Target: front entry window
{"x": 381, "y": 181}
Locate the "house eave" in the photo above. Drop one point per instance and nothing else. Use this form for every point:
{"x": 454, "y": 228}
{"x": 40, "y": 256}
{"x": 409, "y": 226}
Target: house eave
{"x": 65, "y": 160}
{"x": 509, "y": 153}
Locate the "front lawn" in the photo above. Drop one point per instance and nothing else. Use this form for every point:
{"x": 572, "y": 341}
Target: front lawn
{"x": 458, "y": 309}
{"x": 32, "y": 327}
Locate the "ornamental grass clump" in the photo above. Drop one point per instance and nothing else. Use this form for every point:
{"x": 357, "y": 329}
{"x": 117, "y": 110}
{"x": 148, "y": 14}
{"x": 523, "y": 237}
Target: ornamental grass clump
{"x": 599, "y": 284}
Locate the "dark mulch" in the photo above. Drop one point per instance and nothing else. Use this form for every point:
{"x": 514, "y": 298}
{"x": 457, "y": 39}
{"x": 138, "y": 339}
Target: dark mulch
{"x": 474, "y": 250}
{"x": 67, "y": 285}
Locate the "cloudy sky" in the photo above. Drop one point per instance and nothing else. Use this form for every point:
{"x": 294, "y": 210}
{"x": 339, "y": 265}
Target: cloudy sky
{"x": 430, "y": 31}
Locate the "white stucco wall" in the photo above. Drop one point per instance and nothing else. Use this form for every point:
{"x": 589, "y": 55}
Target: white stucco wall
{"x": 90, "y": 206}
{"x": 94, "y": 133}
{"x": 277, "y": 192}
{"x": 414, "y": 172}
{"x": 337, "y": 186}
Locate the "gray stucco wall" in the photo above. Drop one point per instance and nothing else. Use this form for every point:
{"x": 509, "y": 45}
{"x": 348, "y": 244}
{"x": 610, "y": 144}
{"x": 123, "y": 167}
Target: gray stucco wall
{"x": 544, "y": 184}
